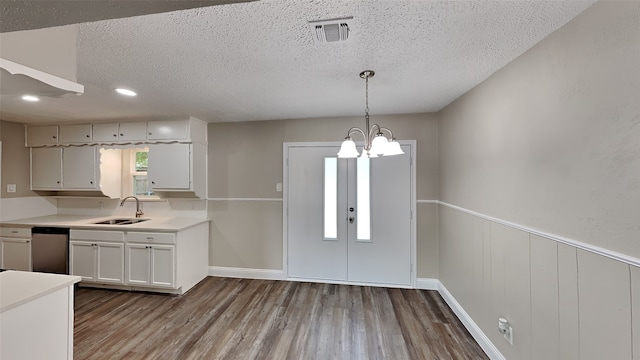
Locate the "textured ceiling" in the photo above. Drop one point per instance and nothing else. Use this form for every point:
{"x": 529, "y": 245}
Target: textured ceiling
{"x": 258, "y": 60}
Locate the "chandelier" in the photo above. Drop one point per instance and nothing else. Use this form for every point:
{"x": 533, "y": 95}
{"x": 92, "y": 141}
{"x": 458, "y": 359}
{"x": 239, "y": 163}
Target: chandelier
{"x": 375, "y": 143}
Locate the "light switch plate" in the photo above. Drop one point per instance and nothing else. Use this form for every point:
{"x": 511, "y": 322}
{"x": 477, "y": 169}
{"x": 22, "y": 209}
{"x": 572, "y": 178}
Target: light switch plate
{"x": 279, "y": 187}
{"x": 11, "y": 188}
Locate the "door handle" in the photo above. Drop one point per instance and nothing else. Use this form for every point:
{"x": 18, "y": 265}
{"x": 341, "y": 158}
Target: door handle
{"x": 351, "y": 219}
{"x": 351, "y": 209}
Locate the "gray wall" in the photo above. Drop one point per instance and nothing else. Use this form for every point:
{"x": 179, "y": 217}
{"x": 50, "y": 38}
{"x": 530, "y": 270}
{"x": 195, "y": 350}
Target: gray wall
{"x": 245, "y": 162}
{"x": 551, "y": 142}
{"x": 15, "y": 160}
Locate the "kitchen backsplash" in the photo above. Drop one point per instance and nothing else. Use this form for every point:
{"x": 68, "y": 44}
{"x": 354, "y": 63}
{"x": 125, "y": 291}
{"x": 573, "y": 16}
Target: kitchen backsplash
{"x": 194, "y": 208}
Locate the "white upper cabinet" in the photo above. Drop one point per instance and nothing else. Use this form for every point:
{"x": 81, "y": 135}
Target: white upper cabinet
{"x": 105, "y": 133}
{"x": 69, "y": 168}
{"x": 134, "y": 131}
{"x": 190, "y": 130}
{"x": 170, "y": 166}
{"x": 79, "y": 170}
{"x": 75, "y": 134}
{"x": 178, "y": 168}
{"x": 42, "y": 135}
{"x": 46, "y": 168}
{"x": 167, "y": 130}
{"x": 186, "y": 130}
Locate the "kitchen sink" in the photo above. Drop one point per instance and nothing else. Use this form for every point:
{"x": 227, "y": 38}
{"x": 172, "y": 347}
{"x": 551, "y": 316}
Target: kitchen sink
{"x": 120, "y": 221}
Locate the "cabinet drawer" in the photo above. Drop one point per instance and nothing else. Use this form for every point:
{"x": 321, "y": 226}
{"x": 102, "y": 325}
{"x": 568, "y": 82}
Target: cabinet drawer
{"x": 147, "y": 237}
{"x": 15, "y": 232}
{"x": 96, "y": 235}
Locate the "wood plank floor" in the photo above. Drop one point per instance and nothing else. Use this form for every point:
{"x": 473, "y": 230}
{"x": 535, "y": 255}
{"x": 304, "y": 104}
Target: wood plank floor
{"x": 224, "y": 318}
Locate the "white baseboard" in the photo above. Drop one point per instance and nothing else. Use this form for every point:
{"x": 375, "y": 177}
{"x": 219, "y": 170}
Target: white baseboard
{"x": 427, "y": 284}
{"x": 245, "y": 273}
{"x": 481, "y": 338}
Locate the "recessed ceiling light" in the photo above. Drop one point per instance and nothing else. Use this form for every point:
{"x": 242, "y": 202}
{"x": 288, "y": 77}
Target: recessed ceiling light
{"x": 126, "y": 92}
{"x": 30, "y": 98}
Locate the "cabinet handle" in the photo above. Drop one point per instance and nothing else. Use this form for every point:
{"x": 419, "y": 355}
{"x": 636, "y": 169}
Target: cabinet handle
{"x": 115, "y": 135}
{"x": 150, "y": 133}
{"x": 58, "y": 182}
{"x": 88, "y": 135}
{"x": 54, "y": 136}
{"x": 121, "y": 134}
{"x": 149, "y": 237}
{"x": 14, "y": 231}
{"x": 153, "y": 182}
{"x": 91, "y": 182}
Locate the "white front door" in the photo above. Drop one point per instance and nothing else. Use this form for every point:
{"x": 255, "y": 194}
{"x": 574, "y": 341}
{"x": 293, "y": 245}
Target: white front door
{"x": 348, "y": 219}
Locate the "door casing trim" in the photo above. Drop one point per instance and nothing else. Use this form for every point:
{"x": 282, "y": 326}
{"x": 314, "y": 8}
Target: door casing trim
{"x": 285, "y": 190}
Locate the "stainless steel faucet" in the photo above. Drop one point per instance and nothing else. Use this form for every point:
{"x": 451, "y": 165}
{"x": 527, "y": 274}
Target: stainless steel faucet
{"x": 139, "y": 212}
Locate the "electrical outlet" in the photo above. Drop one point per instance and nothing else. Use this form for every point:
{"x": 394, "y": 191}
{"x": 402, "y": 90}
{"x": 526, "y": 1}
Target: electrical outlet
{"x": 509, "y": 335}
{"x": 506, "y": 330}
{"x": 11, "y": 188}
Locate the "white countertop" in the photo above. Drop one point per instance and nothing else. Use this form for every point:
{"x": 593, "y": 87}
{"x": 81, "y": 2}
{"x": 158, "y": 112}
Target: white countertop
{"x": 169, "y": 224}
{"x": 20, "y": 287}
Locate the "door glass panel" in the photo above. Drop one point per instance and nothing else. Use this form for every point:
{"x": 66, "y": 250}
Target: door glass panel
{"x": 363, "y": 199}
{"x": 330, "y": 198}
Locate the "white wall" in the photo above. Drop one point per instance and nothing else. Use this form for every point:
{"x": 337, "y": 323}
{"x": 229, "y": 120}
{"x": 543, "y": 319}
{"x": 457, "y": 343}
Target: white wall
{"x": 546, "y": 151}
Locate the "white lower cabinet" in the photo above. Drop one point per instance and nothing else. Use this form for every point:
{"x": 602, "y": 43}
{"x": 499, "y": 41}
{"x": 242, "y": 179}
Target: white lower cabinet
{"x": 151, "y": 265}
{"x": 16, "y": 254}
{"x": 15, "y": 248}
{"x": 170, "y": 262}
{"x": 97, "y": 262}
{"x": 97, "y": 256}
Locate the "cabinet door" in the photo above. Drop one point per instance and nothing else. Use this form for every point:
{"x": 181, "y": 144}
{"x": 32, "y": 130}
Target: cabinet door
{"x": 105, "y": 133}
{"x": 167, "y": 130}
{"x": 42, "y": 135}
{"x": 79, "y": 167}
{"x": 46, "y": 168}
{"x": 170, "y": 166}
{"x": 83, "y": 260}
{"x": 16, "y": 254}
{"x": 138, "y": 264}
{"x": 163, "y": 265}
{"x": 133, "y": 131}
{"x": 110, "y": 263}
{"x": 75, "y": 134}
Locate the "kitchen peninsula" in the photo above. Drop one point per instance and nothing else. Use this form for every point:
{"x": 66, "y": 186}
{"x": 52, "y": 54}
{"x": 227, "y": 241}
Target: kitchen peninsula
{"x": 36, "y": 307}
{"x": 158, "y": 254}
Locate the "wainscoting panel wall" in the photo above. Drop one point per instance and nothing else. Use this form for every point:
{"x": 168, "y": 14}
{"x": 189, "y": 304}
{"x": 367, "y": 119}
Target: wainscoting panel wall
{"x": 562, "y": 302}
{"x": 604, "y": 307}
{"x": 512, "y": 263}
{"x": 635, "y": 310}
{"x": 545, "y": 330}
{"x": 568, "y": 317}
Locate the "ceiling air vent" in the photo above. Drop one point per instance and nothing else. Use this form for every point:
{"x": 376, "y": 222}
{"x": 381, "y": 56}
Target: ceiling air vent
{"x": 331, "y": 30}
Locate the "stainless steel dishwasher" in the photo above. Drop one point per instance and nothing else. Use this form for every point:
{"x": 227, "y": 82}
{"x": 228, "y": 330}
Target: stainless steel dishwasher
{"x": 50, "y": 250}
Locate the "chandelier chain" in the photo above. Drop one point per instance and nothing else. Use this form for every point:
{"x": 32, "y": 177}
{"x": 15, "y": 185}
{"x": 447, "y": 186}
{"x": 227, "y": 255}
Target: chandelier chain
{"x": 366, "y": 108}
